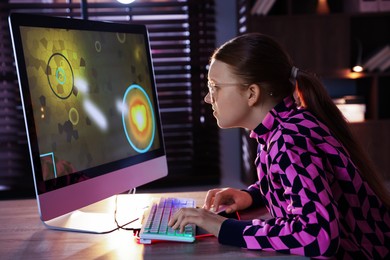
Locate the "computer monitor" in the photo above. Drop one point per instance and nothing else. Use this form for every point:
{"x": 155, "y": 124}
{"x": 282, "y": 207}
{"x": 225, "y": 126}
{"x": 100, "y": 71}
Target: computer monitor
{"x": 91, "y": 111}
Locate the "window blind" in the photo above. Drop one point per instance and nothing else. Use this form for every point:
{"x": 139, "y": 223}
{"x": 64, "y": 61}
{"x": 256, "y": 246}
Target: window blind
{"x": 182, "y": 37}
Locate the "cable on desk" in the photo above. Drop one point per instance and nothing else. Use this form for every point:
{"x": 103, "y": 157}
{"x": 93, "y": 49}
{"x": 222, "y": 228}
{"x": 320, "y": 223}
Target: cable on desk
{"x": 135, "y": 230}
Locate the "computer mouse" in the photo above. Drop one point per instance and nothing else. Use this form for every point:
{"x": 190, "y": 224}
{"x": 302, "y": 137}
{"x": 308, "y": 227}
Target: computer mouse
{"x": 222, "y": 212}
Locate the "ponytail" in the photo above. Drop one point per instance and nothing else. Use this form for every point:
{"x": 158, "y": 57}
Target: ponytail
{"x": 315, "y": 98}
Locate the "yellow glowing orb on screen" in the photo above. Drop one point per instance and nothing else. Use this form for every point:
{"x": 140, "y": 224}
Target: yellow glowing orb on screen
{"x": 138, "y": 118}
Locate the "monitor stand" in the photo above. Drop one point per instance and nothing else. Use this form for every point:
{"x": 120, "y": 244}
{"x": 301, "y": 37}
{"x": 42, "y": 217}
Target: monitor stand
{"x": 99, "y": 218}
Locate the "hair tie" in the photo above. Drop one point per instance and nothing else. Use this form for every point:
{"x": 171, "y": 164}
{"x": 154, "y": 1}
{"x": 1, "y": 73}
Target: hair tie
{"x": 293, "y": 75}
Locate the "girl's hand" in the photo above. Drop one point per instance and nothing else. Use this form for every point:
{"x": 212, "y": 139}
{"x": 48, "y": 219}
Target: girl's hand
{"x": 233, "y": 199}
{"x": 201, "y": 217}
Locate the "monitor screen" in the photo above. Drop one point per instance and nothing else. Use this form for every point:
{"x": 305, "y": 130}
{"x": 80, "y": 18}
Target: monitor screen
{"x": 90, "y": 106}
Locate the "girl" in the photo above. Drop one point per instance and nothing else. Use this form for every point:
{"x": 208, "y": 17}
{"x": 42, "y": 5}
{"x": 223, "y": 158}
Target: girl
{"x": 317, "y": 183}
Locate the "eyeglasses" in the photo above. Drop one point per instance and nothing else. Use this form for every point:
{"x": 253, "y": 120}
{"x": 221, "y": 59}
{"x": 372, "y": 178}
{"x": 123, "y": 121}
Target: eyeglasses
{"x": 213, "y": 87}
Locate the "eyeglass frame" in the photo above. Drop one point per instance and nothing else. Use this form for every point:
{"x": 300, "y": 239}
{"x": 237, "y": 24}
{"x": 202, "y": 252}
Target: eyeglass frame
{"x": 212, "y": 85}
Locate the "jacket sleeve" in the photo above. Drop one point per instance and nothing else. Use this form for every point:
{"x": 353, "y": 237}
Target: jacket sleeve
{"x": 257, "y": 198}
{"x": 304, "y": 216}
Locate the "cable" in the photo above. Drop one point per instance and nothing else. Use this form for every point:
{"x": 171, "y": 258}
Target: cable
{"x": 135, "y": 230}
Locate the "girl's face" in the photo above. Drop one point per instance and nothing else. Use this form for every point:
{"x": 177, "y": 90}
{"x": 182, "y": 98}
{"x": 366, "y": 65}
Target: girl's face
{"x": 227, "y": 96}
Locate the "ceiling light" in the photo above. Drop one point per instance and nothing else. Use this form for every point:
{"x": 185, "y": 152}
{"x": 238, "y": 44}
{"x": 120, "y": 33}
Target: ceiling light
{"x": 125, "y": 1}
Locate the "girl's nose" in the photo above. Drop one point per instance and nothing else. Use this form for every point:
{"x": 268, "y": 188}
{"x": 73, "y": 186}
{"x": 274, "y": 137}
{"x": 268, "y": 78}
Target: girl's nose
{"x": 207, "y": 98}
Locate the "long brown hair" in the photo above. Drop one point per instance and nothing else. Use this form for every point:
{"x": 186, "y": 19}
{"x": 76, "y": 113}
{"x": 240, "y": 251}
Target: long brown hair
{"x": 257, "y": 58}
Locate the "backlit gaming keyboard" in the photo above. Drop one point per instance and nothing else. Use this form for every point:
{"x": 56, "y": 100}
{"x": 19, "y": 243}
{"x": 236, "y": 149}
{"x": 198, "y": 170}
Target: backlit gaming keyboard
{"x": 156, "y": 218}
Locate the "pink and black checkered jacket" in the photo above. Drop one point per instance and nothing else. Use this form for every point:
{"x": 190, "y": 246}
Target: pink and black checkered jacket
{"x": 320, "y": 205}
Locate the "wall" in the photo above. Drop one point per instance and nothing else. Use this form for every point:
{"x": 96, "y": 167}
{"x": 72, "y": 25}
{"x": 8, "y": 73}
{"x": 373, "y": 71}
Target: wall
{"x": 229, "y": 138}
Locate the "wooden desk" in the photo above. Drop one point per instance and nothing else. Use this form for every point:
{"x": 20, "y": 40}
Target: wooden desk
{"x": 23, "y": 236}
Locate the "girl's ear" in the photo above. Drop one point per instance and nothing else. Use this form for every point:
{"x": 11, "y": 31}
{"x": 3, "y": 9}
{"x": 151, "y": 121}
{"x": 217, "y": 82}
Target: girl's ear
{"x": 253, "y": 94}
